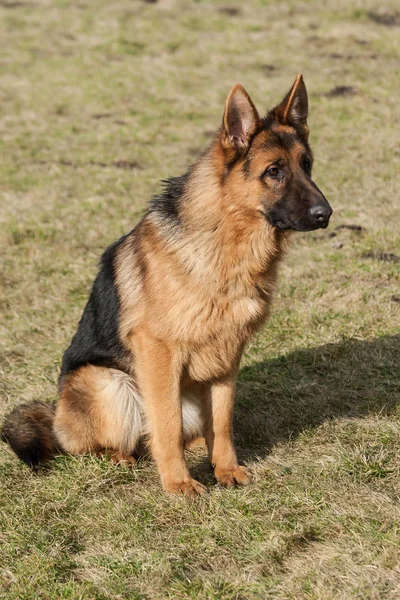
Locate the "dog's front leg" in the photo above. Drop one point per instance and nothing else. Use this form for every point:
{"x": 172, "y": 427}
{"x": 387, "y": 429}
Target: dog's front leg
{"x": 219, "y": 434}
{"x": 158, "y": 370}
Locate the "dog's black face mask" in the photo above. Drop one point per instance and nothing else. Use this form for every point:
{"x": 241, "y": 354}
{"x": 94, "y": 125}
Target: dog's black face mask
{"x": 300, "y": 205}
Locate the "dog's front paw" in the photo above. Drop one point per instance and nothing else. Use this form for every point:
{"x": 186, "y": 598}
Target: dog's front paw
{"x": 233, "y": 476}
{"x": 190, "y": 488}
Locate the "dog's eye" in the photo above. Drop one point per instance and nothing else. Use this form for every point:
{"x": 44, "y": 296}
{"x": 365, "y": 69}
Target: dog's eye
{"x": 307, "y": 165}
{"x": 273, "y": 172}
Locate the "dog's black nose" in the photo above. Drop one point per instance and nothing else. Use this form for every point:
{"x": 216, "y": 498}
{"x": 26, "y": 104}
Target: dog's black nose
{"x": 321, "y": 213}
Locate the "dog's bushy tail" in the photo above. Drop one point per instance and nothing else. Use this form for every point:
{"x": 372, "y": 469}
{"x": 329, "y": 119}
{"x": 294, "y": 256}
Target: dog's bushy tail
{"x": 29, "y": 431}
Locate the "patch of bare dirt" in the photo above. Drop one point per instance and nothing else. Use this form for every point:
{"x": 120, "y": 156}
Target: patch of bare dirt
{"x": 341, "y": 90}
{"x": 386, "y": 19}
{"x": 382, "y": 256}
{"x": 231, "y": 11}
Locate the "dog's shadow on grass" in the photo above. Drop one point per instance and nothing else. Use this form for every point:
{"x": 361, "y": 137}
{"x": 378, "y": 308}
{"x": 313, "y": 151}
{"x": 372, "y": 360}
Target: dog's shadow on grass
{"x": 278, "y": 399}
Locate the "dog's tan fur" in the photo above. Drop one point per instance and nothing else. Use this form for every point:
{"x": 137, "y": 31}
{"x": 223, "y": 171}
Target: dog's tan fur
{"x": 219, "y": 286}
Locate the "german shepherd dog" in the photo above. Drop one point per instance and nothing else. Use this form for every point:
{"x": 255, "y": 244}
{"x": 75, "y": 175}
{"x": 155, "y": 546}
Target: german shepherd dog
{"x": 156, "y": 353}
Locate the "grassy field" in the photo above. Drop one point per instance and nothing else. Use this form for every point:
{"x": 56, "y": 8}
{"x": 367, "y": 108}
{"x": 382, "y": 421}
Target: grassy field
{"x": 99, "y": 101}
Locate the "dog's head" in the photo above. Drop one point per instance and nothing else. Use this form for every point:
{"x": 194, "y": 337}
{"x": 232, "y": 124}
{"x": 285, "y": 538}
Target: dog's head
{"x": 268, "y": 161}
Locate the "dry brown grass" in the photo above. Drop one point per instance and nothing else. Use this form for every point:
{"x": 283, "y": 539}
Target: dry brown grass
{"x": 99, "y": 102}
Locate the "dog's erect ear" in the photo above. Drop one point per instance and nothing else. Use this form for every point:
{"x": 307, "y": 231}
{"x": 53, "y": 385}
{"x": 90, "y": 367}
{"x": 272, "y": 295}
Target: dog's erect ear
{"x": 293, "y": 110}
{"x": 240, "y": 119}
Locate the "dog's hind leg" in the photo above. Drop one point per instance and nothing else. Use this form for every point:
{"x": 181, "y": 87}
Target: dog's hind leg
{"x": 99, "y": 409}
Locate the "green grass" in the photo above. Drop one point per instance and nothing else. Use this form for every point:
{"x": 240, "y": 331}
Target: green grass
{"x": 100, "y": 100}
